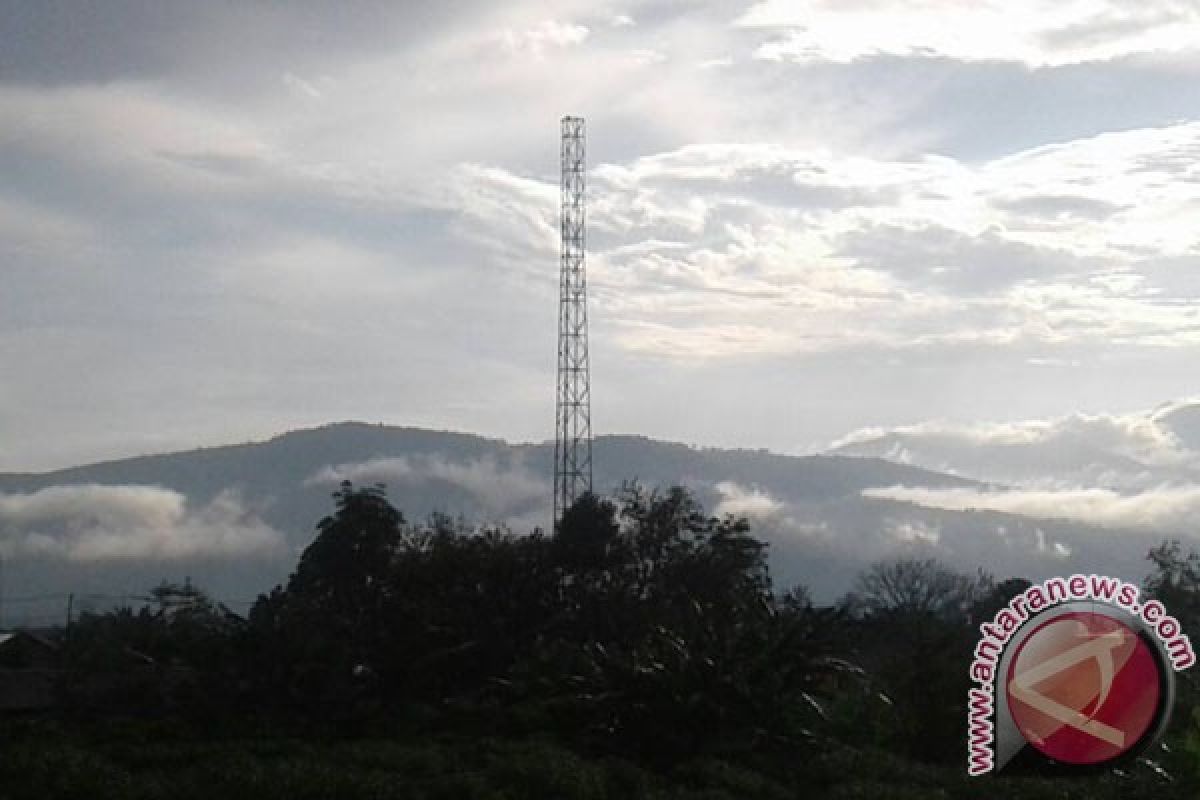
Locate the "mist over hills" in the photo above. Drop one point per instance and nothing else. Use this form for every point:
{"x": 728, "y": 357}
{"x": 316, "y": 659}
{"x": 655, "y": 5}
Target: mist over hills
{"x": 1124, "y": 452}
{"x": 235, "y": 518}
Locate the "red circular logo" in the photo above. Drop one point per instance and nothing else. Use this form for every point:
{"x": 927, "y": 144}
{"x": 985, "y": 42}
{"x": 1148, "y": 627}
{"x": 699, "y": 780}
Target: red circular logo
{"x": 1084, "y": 688}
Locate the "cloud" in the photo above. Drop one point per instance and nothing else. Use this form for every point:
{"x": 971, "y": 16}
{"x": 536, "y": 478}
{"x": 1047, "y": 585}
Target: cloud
{"x": 914, "y": 532}
{"x": 247, "y": 188}
{"x": 734, "y": 249}
{"x": 302, "y": 87}
{"x": 134, "y": 41}
{"x": 1116, "y": 451}
{"x": 96, "y": 523}
{"x": 542, "y": 37}
{"x": 929, "y": 255}
{"x": 499, "y": 490}
{"x": 1165, "y": 510}
{"x": 740, "y": 501}
{"x": 1139, "y": 436}
{"x": 1034, "y": 32}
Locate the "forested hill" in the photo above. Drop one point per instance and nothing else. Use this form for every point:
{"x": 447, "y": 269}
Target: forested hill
{"x": 233, "y": 517}
{"x": 288, "y": 465}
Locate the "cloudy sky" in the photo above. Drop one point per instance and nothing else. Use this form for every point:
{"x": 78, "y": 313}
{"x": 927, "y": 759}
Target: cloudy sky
{"x": 222, "y": 221}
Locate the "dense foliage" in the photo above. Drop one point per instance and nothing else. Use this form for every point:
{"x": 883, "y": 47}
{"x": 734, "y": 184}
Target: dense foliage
{"x": 639, "y": 651}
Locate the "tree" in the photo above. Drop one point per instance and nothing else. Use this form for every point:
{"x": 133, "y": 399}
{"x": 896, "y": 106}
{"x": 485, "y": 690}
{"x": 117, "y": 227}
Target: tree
{"x": 913, "y": 637}
{"x": 1175, "y": 580}
{"x": 315, "y": 641}
{"x": 180, "y": 649}
{"x": 348, "y": 562}
{"x": 916, "y": 586}
{"x": 670, "y": 640}
{"x": 985, "y": 608}
{"x": 587, "y": 536}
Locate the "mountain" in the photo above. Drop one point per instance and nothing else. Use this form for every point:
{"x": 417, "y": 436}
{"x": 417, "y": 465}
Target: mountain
{"x": 235, "y": 518}
{"x": 289, "y": 478}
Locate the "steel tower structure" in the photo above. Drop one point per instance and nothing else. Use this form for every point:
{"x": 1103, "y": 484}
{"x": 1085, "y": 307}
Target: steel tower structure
{"x": 573, "y": 414}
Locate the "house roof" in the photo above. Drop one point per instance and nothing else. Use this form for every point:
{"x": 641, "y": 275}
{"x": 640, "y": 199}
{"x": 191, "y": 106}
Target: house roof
{"x": 8, "y": 637}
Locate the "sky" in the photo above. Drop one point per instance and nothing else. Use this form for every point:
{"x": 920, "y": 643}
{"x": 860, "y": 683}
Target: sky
{"x": 223, "y": 221}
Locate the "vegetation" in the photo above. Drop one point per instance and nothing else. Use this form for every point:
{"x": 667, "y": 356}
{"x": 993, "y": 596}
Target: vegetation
{"x": 639, "y": 652}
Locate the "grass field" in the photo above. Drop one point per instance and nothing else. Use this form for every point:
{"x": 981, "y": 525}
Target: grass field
{"x": 140, "y": 760}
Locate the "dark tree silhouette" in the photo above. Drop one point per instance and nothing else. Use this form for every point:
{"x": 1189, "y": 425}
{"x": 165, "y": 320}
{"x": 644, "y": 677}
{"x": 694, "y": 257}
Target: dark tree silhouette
{"x": 318, "y": 641}
{"x": 918, "y": 586}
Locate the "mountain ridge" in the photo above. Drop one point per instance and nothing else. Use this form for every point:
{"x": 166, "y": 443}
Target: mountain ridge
{"x": 235, "y": 517}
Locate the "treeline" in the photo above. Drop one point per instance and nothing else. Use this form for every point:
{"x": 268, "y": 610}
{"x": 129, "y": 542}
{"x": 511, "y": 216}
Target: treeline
{"x": 644, "y": 633}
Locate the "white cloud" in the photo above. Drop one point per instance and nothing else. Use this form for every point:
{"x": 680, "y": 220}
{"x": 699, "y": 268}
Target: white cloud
{"x": 914, "y": 532}
{"x": 724, "y": 250}
{"x": 258, "y": 204}
{"x": 1116, "y": 451}
{"x": 103, "y": 523}
{"x": 303, "y": 88}
{"x": 1165, "y": 510}
{"x": 741, "y": 501}
{"x": 540, "y": 38}
{"x": 1035, "y": 32}
{"x": 497, "y": 488}
{"x": 1056, "y": 549}
{"x": 519, "y": 216}
{"x": 1137, "y": 435}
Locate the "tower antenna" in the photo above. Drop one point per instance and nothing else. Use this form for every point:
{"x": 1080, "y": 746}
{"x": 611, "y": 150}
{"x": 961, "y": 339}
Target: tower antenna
{"x": 573, "y": 412}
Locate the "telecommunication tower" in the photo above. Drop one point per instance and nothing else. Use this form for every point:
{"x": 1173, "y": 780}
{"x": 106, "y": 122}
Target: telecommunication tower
{"x": 573, "y": 423}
